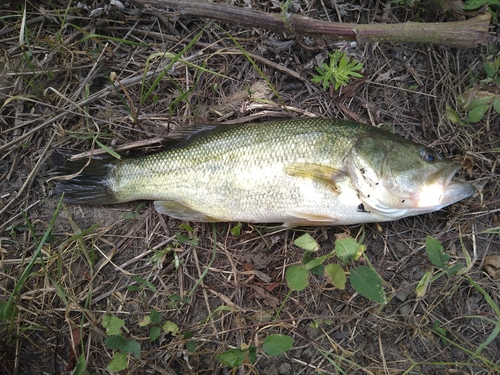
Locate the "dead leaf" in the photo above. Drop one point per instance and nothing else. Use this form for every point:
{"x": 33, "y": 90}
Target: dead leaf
{"x": 73, "y": 357}
{"x": 272, "y": 286}
{"x": 265, "y": 297}
{"x": 492, "y": 266}
{"x": 262, "y": 276}
{"x": 247, "y": 266}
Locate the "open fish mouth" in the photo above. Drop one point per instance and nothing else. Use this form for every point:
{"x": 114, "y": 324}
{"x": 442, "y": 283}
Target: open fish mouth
{"x": 440, "y": 189}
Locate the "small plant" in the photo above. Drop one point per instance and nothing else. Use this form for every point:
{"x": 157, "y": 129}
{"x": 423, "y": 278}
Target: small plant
{"x": 8, "y": 308}
{"x": 160, "y": 255}
{"x": 273, "y": 345}
{"x": 438, "y": 258}
{"x": 124, "y": 346}
{"x": 131, "y": 215}
{"x": 339, "y": 72}
{"x": 119, "y": 342}
{"x": 477, "y": 4}
{"x": 480, "y": 99}
{"x": 364, "y": 279}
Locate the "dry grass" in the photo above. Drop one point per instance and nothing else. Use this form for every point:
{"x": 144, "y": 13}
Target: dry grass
{"x": 69, "y": 80}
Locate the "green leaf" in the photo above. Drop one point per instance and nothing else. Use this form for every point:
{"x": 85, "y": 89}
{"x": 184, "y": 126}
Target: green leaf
{"x": 423, "y": 284}
{"x": 440, "y": 331}
{"x": 155, "y": 317}
{"x": 368, "y": 283}
{"x": 112, "y": 324}
{"x": 315, "y": 264}
{"x": 338, "y": 72}
{"x": 236, "y": 230}
{"x": 434, "y": 251}
{"x": 231, "y": 357}
{"x": 126, "y": 345}
{"x": 182, "y": 238}
{"x": 146, "y": 321}
{"x": 118, "y": 363}
{"x": 128, "y": 215}
{"x": 252, "y": 354}
{"x": 297, "y": 277}
{"x": 191, "y": 346}
{"x": 477, "y": 113}
{"x": 317, "y": 79}
{"x": 336, "y": 274}
{"x": 318, "y": 270}
{"x": 452, "y": 115}
{"x": 108, "y": 150}
{"x": 133, "y": 347}
{"x": 154, "y": 333}
{"x": 490, "y": 69}
{"x": 453, "y": 270}
{"x": 307, "y": 243}
{"x": 7, "y": 311}
{"x": 186, "y": 227}
{"x": 496, "y": 104}
{"x": 275, "y": 345}
{"x": 80, "y": 368}
{"x": 170, "y": 327}
{"x": 475, "y": 4}
{"x": 115, "y": 342}
{"x": 143, "y": 283}
{"x": 346, "y": 248}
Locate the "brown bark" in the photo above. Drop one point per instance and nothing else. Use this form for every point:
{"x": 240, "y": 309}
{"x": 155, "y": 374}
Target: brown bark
{"x": 467, "y": 33}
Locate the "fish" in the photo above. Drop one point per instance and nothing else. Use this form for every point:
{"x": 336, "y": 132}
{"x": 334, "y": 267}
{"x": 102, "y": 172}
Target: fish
{"x": 301, "y": 172}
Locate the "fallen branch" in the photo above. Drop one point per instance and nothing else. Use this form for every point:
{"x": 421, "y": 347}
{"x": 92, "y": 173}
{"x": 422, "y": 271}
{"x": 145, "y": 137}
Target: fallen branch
{"x": 464, "y": 34}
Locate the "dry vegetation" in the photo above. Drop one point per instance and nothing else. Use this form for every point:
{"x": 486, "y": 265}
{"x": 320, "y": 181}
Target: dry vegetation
{"x": 74, "y": 76}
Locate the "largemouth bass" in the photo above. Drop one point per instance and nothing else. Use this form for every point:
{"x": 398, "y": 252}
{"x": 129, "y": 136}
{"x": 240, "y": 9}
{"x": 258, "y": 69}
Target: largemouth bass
{"x": 296, "y": 172}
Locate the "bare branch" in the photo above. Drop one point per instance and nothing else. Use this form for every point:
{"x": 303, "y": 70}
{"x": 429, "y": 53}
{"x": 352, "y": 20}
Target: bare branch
{"x": 463, "y": 34}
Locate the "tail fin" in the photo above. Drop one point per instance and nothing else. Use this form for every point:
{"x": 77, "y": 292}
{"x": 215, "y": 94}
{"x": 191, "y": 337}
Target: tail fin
{"x": 91, "y": 184}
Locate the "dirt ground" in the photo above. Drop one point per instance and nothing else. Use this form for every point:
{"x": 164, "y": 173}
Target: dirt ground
{"x": 225, "y": 290}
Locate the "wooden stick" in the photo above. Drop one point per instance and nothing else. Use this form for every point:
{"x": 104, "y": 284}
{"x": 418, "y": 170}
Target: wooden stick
{"x": 465, "y": 34}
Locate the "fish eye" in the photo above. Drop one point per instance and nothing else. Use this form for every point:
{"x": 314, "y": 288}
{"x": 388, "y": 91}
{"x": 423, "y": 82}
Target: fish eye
{"x": 428, "y": 155}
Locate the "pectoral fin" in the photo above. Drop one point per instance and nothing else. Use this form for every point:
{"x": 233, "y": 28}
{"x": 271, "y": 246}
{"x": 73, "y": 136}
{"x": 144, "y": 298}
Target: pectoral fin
{"x": 181, "y": 211}
{"x": 326, "y": 175}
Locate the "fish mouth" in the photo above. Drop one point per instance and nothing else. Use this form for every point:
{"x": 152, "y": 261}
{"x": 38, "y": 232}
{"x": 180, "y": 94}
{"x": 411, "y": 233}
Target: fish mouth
{"x": 440, "y": 190}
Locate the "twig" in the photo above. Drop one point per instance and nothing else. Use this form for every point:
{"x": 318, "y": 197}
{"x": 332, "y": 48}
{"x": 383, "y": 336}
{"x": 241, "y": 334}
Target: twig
{"x": 466, "y": 34}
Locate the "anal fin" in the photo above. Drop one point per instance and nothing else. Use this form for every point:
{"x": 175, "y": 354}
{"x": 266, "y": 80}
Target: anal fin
{"x": 182, "y": 211}
{"x": 306, "y": 219}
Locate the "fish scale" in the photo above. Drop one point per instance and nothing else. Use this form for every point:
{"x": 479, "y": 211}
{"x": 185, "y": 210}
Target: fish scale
{"x": 298, "y": 172}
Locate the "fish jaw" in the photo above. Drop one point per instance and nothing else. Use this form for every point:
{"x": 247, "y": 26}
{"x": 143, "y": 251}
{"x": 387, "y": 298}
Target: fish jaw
{"x": 440, "y": 191}
{"x": 434, "y": 197}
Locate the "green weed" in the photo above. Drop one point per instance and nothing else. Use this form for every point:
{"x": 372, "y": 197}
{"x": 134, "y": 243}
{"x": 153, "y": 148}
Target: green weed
{"x": 480, "y": 99}
{"x": 8, "y": 310}
{"x": 477, "y": 4}
{"x": 338, "y": 72}
{"x": 364, "y": 279}
{"x": 273, "y": 345}
{"x": 123, "y": 346}
{"x": 166, "y": 61}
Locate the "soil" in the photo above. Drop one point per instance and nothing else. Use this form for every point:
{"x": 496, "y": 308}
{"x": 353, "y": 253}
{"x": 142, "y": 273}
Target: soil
{"x": 225, "y": 290}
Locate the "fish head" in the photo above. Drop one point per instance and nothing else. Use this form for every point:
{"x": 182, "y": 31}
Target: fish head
{"x": 395, "y": 177}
